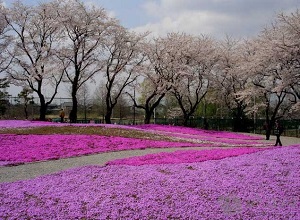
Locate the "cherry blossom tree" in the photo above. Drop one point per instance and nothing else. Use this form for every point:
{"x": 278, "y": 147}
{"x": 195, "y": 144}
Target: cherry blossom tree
{"x": 4, "y": 39}
{"x": 231, "y": 79}
{"x": 179, "y": 64}
{"x": 123, "y": 57}
{"x": 4, "y": 60}
{"x": 289, "y": 42}
{"x": 35, "y": 35}
{"x": 85, "y": 29}
{"x": 269, "y": 68}
{"x": 155, "y": 76}
{"x": 197, "y": 58}
{"x": 151, "y": 95}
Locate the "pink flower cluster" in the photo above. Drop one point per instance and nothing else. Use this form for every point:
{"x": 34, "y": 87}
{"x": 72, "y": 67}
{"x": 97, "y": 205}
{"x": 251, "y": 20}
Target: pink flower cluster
{"x": 25, "y": 124}
{"x": 16, "y": 149}
{"x": 196, "y": 131}
{"x": 28, "y": 123}
{"x": 188, "y": 156}
{"x": 223, "y": 137}
{"x": 261, "y": 185}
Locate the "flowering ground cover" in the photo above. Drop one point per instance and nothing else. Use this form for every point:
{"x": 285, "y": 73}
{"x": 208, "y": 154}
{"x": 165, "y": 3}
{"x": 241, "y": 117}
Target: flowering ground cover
{"x": 16, "y": 149}
{"x": 260, "y": 185}
{"x": 188, "y": 156}
{"x": 62, "y": 140}
{"x": 195, "y": 131}
{"x": 203, "y": 135}
{"x": 25, "y": 123}
{"x": 175, "y": 130}
{"x": 28, "y": 123}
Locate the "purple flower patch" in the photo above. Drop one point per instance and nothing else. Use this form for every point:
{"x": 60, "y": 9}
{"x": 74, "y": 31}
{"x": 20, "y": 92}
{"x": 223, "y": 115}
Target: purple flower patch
{"x": 188, "y": 156}
{"x": 261, "y": 185}
{"x": 16, "y": 149}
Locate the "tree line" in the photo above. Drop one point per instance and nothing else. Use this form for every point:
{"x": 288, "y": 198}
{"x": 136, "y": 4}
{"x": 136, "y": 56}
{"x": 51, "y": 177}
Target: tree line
{"x": 67, "y": 41}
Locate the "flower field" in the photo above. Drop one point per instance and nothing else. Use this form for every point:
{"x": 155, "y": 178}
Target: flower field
{"x": 189, "y": 156}
{"x": 17, "y": 149}
{"x": 20, "y": 145}
{"x": 241, "y": 179}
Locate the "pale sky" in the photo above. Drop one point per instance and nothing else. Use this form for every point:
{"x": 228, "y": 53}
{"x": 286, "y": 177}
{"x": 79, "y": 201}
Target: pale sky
{"x": 216, "y": 18}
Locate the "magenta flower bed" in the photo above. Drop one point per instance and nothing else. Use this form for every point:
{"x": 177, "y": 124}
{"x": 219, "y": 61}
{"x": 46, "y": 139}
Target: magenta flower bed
{"x": 261, "y": 185}
{"x": 171, "y": 130}
{"x": 196, "y": 131}
{"x": 16, "y": 149}
{"x": 188, "y": 156}
{"x": 198, "y": 135}
{"x": 220, "y": 137}
{"x": 26, "y": 123}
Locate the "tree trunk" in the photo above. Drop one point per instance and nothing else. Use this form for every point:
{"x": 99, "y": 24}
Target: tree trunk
{"x": 148, "y": 115}
{"x": 26, "y": 111}
{"x": 269, "y": 129}
{"x": 73, "y": 112}
{"x": 240, "y": 122}
{"x": 43, "y": 108}
{"x": 268, "y": 133}
{"x": 147, "y": 118}
{"x": 108, "y": 115}
{"x": 109, "y": 109}
{"x": 185, "y": 120}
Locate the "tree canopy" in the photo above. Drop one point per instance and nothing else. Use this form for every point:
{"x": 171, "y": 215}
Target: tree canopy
{"x": 68, "y": 41}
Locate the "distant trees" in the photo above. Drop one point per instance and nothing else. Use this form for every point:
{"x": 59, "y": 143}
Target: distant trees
{"x": 122, "y": 58}
{"x": 180, "y": 65}
{"x": 4, "y": 62}
{"x": 24, "y": 96}
{"x": 75, "y": 43}
{"x": 99, "y": 99}
{"x": 230, "y": 79}
{"x": 288, "y": 27}
{"x": 85, "y": 31}
{"x": 274, "y": 70}
{"x": 197, "y": 60}
{"x": 155, "y": 75}
{"x": 3, "y": 95}
{"x": 4, "y": 39}
{"x": 267, "y": 85}
{"x": 36, "y": 34}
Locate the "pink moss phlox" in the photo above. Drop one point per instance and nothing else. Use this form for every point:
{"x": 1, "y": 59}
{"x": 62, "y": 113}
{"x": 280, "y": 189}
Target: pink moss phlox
{"x": 261, "y": 185}
{"x": 17, "y": 149}
{"x": 183, "y": 156}
{"x": 175, "y": 130}
{"x": 28, "y": 123}
{"x": 197, "y": 131}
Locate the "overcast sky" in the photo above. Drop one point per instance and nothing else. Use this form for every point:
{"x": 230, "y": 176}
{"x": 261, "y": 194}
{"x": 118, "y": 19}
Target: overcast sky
{"x": 217, "y": 18}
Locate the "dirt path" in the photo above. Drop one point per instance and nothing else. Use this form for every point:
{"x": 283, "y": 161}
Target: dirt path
{"x": 31, "y": 170}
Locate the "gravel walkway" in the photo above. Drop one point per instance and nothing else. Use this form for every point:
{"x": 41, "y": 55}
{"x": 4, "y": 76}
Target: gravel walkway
{"x": 31, "y": 170}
